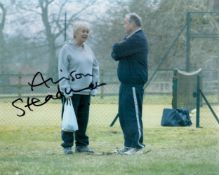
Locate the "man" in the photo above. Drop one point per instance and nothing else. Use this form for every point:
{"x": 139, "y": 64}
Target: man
{"x": 133, "y": 74}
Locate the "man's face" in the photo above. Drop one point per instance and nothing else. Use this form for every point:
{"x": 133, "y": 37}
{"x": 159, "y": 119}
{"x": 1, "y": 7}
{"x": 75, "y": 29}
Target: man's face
{"x": 129, "y": 27}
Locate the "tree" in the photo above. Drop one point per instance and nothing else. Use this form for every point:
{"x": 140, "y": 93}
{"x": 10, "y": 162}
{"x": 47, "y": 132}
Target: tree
{"x": 108, "y": 30}
{"x": 162, "y": 20}
{"x": 2, "y": 22}
{"x": 52, "y": 36}
{"x": 53, "y": 24}
{"x": 3, "y": 13}
{"x": 213, "y": 5}
{"x": 162, "y": 24}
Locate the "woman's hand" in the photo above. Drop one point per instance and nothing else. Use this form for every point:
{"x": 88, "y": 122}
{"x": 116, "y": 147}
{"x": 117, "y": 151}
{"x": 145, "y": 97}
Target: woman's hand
{"x": 68, "y": 96}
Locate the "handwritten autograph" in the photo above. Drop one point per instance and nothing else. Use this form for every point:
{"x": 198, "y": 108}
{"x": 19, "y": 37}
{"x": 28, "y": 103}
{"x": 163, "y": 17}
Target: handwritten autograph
{"x": 33, "y": 101}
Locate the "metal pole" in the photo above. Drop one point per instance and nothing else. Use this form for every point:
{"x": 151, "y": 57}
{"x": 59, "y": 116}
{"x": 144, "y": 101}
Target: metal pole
{"x": 187, "y": 44}
{"x": 19, "y": 85}
{"x": 175, "y": 79}
{"x": 114, "y": 120}
{"x": 65, "y": 32}
{"x": 209, "y": 106}
{"x": 102, "y": 87}
{"x": 198, "y": 103}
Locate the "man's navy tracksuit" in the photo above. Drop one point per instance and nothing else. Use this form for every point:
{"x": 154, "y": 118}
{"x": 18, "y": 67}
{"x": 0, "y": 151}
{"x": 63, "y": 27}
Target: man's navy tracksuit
{"x": 133, "y": 74}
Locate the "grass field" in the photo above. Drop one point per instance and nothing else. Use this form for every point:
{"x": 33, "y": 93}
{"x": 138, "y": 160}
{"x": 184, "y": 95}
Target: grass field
{"x": 31, "y": 145}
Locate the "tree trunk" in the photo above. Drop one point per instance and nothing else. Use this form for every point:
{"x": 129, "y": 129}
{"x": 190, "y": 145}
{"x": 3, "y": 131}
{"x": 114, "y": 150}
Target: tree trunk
{"x": 52, "y": 70}
{"x": 53, "y": 60}
{"x": 213, "y": 5}
{"x": 51, "y": 37}
{"x": 2, "y": 39}
{"x": 216, "y": 5}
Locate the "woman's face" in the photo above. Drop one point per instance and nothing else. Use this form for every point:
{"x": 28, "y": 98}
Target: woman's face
{"x": 81, "y": 35}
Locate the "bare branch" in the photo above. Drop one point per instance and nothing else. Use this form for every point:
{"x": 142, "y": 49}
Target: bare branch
{"x": 49, "y": 2}
{"x": 74, "y": 16}
{"x": 30, "y": 10}
{"x": 4, "y": 11}
{"x": 45, "y": 19}
{"x": 57, "y": 21}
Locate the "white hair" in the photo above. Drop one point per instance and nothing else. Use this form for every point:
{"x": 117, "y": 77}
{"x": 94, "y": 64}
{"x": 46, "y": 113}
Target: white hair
{"x": 80, "y": 24}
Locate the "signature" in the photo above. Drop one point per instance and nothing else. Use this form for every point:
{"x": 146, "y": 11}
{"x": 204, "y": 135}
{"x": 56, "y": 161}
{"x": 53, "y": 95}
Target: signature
{"x": 33, "y": 101}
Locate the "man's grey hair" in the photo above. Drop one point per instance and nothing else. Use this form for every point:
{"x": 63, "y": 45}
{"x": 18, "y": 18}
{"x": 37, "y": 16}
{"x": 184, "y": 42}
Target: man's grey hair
{"x": 135, "y": 18}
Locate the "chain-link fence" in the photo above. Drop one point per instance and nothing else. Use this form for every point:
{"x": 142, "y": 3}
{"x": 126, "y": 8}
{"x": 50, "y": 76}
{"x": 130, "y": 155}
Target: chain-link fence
{"x": 174, "y": 43}
{"x": 17, "y": 99}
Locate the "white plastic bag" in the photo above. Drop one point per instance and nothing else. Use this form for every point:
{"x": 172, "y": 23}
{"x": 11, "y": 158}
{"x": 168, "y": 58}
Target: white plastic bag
{"x": 69, "y": 120}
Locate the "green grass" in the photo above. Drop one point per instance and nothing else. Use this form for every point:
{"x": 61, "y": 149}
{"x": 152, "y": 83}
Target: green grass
{"x": 31, "y": 145}
{"x": 148, "y": 99}
{"x": 175, "y": 151}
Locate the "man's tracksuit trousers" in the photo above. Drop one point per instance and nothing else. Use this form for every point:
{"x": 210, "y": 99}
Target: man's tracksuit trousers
{"x": 130, "y": 114}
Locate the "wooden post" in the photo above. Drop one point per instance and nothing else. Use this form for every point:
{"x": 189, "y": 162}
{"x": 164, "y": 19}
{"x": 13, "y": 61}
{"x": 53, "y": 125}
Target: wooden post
{"x": 198, "y": 102}
{"x": 188, "y": 38}
{"x": 19, "y": 85}
{"x": 174, "y": 93}
{"x": 217, "y": 84}
{"x": 101, "y": 81}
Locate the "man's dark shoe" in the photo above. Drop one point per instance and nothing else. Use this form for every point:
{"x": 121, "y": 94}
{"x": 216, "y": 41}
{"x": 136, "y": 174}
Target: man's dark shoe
{"x": 83, "y": 149}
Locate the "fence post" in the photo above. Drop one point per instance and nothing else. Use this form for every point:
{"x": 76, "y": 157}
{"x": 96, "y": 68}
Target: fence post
{"x": 187, "y": 44}
{"x": 101, "y": 81}
{"x": 174, "y": 89}
{"x": 19, "y": 85}
{"x": 217, "y": 86}
{"x": 198, "y": 102}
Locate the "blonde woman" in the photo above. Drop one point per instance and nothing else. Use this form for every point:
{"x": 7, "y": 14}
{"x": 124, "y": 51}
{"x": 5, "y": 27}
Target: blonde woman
{"x": 77, "y": 63}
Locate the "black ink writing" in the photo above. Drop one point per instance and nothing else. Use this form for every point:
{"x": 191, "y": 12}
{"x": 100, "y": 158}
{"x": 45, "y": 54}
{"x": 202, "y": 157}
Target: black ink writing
{"x": 43, "y": 81}
{"x": 36, "y": 102}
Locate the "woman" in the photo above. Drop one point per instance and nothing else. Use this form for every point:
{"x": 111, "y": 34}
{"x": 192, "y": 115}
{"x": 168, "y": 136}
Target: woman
{"x": 80, "y": 68}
